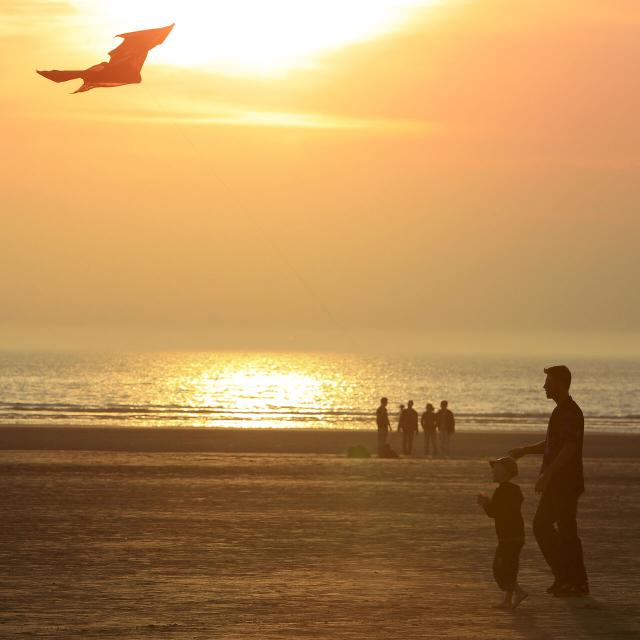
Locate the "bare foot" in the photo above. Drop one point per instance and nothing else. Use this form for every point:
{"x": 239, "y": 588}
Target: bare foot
{"x": 520, "y": 595}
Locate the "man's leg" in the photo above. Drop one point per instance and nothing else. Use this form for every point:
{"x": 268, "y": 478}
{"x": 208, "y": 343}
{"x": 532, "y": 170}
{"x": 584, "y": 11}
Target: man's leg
{"x": 547, "y": 536}
{"x": 382, "y": 440}
{"x": 410, "y": 442}
{"x": 405, "y": 445}
{"x": 570, "y": 544}
{"x": 430, "y": 442}
{"x": 444, "y": 443}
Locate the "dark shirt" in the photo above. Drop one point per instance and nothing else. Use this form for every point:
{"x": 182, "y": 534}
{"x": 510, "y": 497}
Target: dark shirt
{"x": 504, "y": 507}
{"x": 428, "y": 421}
{"x": 566, "y": 424}
{"x": 445, "y": 420}
{"x": 382, "y": 418}
{"x": 409, "y": 421}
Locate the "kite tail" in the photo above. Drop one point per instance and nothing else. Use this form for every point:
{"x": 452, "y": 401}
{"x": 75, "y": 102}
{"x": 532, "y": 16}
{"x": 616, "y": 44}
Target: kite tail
{"x": 61, "y": 76}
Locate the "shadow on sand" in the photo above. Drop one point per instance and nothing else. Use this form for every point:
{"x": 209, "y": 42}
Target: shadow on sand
{"x": 598, "y": 620}
{"x": 586, "y": 618}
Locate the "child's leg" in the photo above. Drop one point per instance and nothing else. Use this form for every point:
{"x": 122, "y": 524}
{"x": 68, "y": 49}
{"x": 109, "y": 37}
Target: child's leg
{"x": 519, "y": 594}
{"x": 505, "y": 570}
{"x": 512, "y": 566}
{"x": 498, "y": 574}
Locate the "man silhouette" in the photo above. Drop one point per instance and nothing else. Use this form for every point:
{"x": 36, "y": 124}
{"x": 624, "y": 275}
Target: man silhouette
{"x": 561, "y": 482}
{"x": 446, "y": 427}
{"x": 428, "y": 422}
{"x": 400, "y": 417}
{"x": 409, "y": 427}
{"x": 382, "y": 420}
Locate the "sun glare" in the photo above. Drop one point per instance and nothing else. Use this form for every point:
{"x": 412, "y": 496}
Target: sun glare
{"x": 255, "y": 36}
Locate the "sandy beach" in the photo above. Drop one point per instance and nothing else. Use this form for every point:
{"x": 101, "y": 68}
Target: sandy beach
{"x": 126, "y": 544}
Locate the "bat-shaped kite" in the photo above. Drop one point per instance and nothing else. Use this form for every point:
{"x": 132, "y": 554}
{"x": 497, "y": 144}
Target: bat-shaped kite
{"x": 125, "y": 62}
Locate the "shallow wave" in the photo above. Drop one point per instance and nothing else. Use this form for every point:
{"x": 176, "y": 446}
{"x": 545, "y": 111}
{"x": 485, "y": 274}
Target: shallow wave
{"x": 174, "y": 408}
{"x": 182, "y": 415}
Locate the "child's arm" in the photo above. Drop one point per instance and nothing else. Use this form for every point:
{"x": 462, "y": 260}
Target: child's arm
{"x": 486, "y": 503}
{"x": 489, "y": 508}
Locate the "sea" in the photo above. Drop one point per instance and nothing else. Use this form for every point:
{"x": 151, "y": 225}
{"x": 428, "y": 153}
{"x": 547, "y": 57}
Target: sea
{"x": 302, "y": 390}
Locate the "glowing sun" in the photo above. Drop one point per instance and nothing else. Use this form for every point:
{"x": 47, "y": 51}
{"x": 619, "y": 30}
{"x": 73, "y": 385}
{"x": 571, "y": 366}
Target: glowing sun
{"x": 254, "y": 36}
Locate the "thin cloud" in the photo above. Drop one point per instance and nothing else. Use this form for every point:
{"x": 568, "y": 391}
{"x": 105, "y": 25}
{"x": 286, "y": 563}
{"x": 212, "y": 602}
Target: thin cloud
{"x": 18, "y": 17}
{"x": 256, "y": 118}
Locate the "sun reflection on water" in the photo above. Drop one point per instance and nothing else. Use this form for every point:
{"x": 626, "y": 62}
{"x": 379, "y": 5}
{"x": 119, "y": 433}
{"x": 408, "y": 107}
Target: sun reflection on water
{"x": 259, "y": 385}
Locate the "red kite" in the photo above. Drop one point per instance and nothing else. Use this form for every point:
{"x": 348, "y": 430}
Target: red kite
{"x": 125, "y": 62}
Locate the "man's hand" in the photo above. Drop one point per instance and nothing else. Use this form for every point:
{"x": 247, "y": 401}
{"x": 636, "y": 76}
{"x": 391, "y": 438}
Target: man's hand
{"x": 518, "y": 452}
{"x": 543, "y": 482}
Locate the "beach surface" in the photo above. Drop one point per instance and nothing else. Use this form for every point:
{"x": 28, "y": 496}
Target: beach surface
{"x": 229, "y": 543}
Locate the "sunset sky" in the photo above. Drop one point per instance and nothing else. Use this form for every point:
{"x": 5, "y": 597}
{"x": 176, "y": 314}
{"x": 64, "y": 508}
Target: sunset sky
{"x": 324, "y": 174}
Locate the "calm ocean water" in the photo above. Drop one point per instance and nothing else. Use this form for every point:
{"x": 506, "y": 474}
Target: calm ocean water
{"x": 300, "y": 390}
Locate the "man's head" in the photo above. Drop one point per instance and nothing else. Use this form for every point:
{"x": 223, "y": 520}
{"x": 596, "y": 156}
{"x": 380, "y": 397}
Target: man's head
{"x": 558, "y": 381}
{"x": 384, "y": 401}
{"x": 504, "y": 469}
{"x": 410, "y": 404}
{"x": 444, "y": 404}
{"x": 429, "y": 407}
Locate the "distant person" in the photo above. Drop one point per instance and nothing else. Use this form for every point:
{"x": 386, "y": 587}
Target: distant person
{"x": 446, "y": 427}
{"x": 504, "y": 507}
{"x": 428, "y": 423}
{"x": 400, "y": 417}
{"x": 561, "y": 482}
{"x": 409, "y": 427}
{"x": 382, "y": 420}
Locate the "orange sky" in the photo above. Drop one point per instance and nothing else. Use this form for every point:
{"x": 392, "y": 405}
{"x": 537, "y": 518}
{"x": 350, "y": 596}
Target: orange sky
{"x": 473, "y": 168}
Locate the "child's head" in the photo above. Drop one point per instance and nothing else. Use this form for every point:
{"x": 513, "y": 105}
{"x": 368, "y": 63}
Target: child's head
{"x": 504, "y": 469}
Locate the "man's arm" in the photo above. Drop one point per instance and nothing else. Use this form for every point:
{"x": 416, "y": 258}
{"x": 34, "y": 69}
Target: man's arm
{"x": 533, "y": 449}
{"x": 567, "y": 453}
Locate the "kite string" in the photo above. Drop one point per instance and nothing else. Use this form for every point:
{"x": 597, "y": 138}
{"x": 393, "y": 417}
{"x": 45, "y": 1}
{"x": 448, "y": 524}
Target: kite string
{"x": 278, "y": 252}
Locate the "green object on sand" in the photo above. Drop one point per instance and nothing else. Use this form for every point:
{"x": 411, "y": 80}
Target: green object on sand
{"x": 358, "y": 451}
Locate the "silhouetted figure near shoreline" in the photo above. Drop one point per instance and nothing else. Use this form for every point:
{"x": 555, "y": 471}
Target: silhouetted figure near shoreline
{"x": 409, "y": 427}
{"x": 561, "y": 482}
{"x": 505, "y": 508}
{"x": 446, "y": 427}
{"x": 428, "y": 423}
{"x": 400, "y": 417}
{"x": 382, "y": 420}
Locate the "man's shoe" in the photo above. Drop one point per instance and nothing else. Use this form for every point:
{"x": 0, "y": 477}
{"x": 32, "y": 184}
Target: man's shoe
{"x": 553, "y": 587}
{"x": 571, "y": 591}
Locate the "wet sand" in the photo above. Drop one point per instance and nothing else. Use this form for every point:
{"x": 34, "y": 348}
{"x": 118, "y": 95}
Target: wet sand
{"x": 275, "y": 545}
{"x": 465, "y": 444}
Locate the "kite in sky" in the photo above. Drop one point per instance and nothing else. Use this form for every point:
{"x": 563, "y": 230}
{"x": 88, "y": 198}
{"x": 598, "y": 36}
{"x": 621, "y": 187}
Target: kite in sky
{"x": 125, "y": 62}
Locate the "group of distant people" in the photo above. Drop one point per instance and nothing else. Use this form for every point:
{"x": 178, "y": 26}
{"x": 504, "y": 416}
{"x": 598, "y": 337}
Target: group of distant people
{"x": 437, "y": 427}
